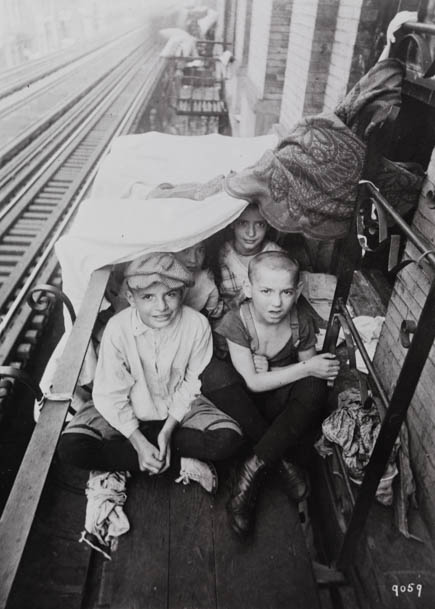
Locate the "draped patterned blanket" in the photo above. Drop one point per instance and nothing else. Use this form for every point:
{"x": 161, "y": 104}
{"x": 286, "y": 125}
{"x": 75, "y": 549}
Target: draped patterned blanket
{"x": 309, "y": 182}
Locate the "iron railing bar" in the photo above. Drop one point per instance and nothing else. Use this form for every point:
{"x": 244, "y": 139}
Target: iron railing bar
{"x": 419, "y": 243}
{"x": 409, "y": 376}
{"x": 363, "y": 351}
{"x": 422, "y": 28}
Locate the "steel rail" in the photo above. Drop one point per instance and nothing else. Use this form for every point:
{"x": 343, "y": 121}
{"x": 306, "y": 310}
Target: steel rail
{"x": 31, "y": 130}
{"x": 28, "y": 73}
{"x": 22, "y": 294}
{"x": 19, "y": 299}
{"x": 15, "y": 305}
{"x": 64, "y": 76}
{"x": 48, "y": 146}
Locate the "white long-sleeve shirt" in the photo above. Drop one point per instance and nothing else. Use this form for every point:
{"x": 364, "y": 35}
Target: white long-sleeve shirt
{"x": 145, "y": 374}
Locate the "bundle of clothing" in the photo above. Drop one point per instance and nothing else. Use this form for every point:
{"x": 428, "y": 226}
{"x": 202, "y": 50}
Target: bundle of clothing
{"x": 105, "y": 518}
{"x": 309, "y": 183}
{"x": 355, "y": 428}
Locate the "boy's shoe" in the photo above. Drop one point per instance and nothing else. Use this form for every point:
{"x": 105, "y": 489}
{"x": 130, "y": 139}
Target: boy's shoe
{"x": 247, "y": 481}
{"x": 198, "y": 471}
{"x": 294, "y": 479}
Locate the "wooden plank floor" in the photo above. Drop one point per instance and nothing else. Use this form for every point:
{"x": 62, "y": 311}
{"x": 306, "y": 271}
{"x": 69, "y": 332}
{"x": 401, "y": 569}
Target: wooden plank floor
{"x": 54, "y": 567}
{"x": 181, "y": 554}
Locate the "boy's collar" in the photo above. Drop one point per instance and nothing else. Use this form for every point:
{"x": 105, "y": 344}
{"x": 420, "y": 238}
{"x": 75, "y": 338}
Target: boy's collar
{"x": 140, "y": 328}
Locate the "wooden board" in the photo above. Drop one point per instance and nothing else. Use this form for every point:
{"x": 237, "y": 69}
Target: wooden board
{"x": 54, "y": 567}
{"x": 141, "y": 563}
{"x": 181, "y": 554}
{"x": 192, "y": 583}
{"x": 273, "y": 569}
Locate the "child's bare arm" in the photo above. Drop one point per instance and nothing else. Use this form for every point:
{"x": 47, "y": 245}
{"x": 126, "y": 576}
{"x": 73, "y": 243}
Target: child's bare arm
{"x": 264, "y": 381}
{"x": 323, "y": 366}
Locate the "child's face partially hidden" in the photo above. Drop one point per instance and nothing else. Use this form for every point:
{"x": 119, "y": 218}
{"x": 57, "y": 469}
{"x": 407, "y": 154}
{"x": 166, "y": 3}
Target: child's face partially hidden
{"x": 273, "y": 293}
{"x": 249, "y": 232}
{"x": 192, "y": 257}
{"x": 157, "y": 305}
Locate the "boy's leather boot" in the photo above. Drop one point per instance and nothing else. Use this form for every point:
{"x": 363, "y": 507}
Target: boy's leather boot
{"x": 294, "y": 479}
{"x": 241, "y": 504}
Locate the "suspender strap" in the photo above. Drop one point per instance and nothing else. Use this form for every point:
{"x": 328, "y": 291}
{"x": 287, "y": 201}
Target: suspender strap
{"x": 294, "y": 325}
{"x": 248, "y": 320}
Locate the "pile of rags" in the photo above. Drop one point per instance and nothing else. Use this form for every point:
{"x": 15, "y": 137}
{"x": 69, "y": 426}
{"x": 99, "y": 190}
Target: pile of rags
{"x": 105, "y": 519}
{"x": 355, "y": 429}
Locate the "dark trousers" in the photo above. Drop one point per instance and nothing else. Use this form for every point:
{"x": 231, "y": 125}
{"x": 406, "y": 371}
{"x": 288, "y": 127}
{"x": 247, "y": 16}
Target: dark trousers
{"x": 87, "y": 452}
{"x": 277, "y": 423}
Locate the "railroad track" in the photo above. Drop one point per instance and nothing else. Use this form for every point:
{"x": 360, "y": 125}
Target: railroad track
{"x": 48, "y": 192}
{"x": 26, "y": 115}
{"x": 18, "y": 77}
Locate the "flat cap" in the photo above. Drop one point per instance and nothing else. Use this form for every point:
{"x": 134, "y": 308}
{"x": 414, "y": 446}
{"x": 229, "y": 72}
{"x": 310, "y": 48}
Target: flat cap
{"x": 160, "y": 267}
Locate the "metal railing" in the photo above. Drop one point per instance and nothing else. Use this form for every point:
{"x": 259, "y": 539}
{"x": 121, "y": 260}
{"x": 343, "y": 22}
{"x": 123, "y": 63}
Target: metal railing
{"x": 397, "y": 406}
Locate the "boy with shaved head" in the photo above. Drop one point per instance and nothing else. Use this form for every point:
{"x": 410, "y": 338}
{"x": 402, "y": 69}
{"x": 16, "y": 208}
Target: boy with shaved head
{"x": 280, "y": 399}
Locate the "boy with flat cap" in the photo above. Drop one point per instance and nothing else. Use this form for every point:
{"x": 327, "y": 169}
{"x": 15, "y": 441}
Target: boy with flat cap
{"x": 146, "y": 395}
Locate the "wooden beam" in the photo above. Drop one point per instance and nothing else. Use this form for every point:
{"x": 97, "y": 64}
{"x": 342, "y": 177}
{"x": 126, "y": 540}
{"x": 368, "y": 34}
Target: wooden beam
{"x": 19, "y": 512}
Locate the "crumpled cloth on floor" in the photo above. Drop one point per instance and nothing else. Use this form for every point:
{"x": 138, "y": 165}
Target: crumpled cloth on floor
{"x": 369, "y": 328}
{"x": 105, "y": 519}
{"x": 355, "y": 429}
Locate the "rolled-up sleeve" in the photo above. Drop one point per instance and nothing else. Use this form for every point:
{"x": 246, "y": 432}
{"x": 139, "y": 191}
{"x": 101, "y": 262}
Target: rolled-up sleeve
{"x": 112, "y": 385}
{"x": 200, "y": 356}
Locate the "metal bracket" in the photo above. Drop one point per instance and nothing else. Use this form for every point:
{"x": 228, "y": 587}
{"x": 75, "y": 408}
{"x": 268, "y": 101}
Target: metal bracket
{"x": 366, "y": 399}
{"x": 407, "y": 327}
{"x": 24, "y": 378}
{"x": 58, "y": 397}
{"x": 393, "y": 254}
{"x": 49, "y": 293}
{"x": 423, "y": 256}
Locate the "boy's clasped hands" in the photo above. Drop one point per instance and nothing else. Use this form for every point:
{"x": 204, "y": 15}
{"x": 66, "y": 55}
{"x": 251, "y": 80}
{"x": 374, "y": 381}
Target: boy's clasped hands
{"x": 152, "y": 459}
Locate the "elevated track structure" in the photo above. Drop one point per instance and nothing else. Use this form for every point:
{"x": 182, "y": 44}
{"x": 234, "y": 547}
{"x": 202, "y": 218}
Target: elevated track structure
{"x": 48, "y": 164}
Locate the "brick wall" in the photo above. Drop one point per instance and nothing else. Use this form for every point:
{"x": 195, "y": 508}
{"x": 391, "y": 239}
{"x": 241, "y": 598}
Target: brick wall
{"x": 321, "y": 51}
{"x": 277, "y": 51}
{"x": 298, "y": 60}
{"x": 410, "y": 290}
{"x": 346, "y": 32}
{"x": 259, "y": 43}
